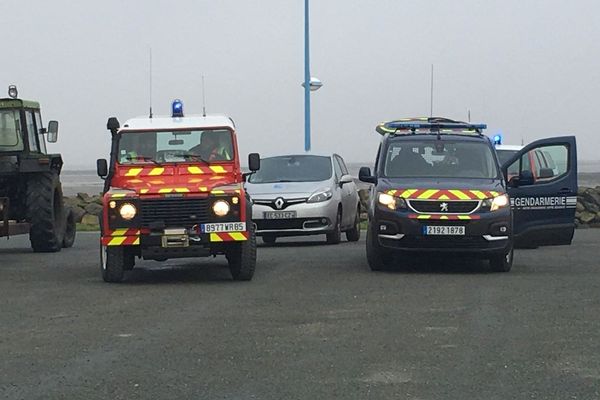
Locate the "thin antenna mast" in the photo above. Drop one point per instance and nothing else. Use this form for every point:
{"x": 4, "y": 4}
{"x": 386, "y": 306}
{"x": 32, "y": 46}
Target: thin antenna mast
{"x": 431, "y": 94}
{"x": 203, "y": 98}
{"x": 150, "y": 73}
{"x": 469, "y": 115}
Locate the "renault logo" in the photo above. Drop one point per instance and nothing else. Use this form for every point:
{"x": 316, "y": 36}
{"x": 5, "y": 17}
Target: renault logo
{"x": 444, "y": 207}
{"x": 279, "y": 202}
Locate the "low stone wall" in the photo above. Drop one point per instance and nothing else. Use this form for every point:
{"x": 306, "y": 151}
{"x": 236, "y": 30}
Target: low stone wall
{"x": 87, "y": 209}
{"x": 588, "y": 207}
{"x": 586, "y": 216}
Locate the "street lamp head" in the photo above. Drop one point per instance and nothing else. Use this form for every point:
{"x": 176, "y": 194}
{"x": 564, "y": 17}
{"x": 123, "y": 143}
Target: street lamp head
{"x": 315, "y": 84}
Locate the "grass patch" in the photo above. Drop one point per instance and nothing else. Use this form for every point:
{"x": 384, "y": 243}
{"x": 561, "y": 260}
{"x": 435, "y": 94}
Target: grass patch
{"x": 88, "y": 228}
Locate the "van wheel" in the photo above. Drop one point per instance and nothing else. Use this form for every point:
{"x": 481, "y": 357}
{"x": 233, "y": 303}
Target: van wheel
{"x": 353, "y": 235}
{"x": 377, "y": 257}
{"x": 335, "y": 236}
{"x": 112, "y": 263}
{"x": 502, "y": 263}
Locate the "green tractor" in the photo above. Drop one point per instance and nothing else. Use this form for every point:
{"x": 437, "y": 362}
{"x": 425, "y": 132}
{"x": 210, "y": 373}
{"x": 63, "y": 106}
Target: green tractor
{"x": 31, "y": 199}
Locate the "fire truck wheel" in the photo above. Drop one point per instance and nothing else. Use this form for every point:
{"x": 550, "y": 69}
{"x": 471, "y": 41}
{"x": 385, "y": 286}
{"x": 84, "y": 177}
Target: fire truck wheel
{"x": 70, "y": 230}
{"x": 242, "y": 257}
{"x": 112, "y": 263}
{"x": 45, "y": 212}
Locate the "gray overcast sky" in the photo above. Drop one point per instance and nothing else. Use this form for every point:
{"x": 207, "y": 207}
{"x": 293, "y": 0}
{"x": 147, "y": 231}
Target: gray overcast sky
{"x": 529, "y": 69}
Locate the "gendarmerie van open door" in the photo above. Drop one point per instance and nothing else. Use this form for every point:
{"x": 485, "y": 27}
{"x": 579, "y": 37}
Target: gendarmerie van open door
{"x": 544, "y": 194}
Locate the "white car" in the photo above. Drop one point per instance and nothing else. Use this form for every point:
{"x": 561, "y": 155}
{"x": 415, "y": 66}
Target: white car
{"x": 305, "y": 194}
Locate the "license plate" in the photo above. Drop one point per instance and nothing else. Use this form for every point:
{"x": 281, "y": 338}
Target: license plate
{"x": 223, "y": 227}
{"x": 444, "y": 230}
{"x": 280, "y": 214}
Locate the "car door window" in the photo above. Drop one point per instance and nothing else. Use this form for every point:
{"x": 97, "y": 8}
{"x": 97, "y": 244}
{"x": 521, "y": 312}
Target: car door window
{"x": 40, "y": 135}
{"x": 337, "y": 168}
{"x": 342, "y": 165}
{"x": 553, "y": 163}
{"x": 31, "y": 132}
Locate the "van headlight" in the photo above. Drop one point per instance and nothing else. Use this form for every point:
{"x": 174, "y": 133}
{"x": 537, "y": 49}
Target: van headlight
{"x": 391, "y": 202}
{"x": 320, "y": 195}
{"x": 127, "y": 211}
{"x": 497, "y": 202}
{"x": 220, "y": 208}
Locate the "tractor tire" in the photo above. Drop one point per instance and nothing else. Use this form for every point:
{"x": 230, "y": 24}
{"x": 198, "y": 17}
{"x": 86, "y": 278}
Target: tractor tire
{"x": 353, "y": 235}
{"x": 70, "y": 230}
{"x": 112, "y": 263}
{"x": 242, "y": 257}
{"x": 45, "y": 212}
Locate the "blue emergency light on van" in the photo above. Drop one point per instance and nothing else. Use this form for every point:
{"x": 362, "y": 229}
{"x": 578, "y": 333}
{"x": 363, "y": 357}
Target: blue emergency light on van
{"x": 177, "y": 108}
{"x": 497, "y": 139}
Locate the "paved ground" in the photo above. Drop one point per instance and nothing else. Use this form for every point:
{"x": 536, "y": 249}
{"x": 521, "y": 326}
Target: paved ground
{"x": 315, "y": 323}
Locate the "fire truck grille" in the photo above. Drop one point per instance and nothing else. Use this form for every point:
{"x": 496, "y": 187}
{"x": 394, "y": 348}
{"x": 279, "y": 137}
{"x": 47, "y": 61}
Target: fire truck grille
{"x": 176, "y": 212}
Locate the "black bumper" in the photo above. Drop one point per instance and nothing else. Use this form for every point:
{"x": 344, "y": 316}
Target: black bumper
{"x": 486, "y": 234}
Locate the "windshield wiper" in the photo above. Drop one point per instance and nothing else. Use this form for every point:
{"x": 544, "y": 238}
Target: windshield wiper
{"x": 143, "y": 158}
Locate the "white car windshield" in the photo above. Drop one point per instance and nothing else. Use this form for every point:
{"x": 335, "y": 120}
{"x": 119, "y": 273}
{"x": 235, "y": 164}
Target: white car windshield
{"x": 293, "y": 169}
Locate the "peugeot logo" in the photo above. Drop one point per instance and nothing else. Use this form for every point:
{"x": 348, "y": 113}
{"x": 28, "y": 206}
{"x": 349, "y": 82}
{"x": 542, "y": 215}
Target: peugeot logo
{"x": 279, "y": 202}
{"x": 444, "y": 207}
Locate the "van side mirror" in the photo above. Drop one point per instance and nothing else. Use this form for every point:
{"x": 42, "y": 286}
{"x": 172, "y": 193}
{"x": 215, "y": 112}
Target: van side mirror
{"x": 52, "y": 132}
{"x": 364, "y": 175}
{"x": 253, "y": 162}
{"x": 102, "y": 168}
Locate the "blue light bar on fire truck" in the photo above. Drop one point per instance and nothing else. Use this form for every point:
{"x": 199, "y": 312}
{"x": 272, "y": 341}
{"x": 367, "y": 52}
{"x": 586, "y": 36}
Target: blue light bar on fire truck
{"x": 177, "y": 108}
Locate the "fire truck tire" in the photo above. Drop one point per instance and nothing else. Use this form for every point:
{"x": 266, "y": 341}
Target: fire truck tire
{"x": 242, "y": 257}
{"x": 353, "y": 235}
{"x": 503, "y": 262}
{"x": 70, "y": 230}
{"x": 377, "y": 257}
{"x": 112, "y": 263}
{"x": 45, "y": 212}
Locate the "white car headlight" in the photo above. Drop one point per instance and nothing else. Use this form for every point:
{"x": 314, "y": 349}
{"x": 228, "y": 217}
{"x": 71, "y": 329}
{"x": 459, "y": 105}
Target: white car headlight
{"x": 499, "y": 202}
{"x": 127, "y": 211}
{"x": 220, "y": 208}
{"x": 391, "y": 202}
{"x": 320, "y": 195}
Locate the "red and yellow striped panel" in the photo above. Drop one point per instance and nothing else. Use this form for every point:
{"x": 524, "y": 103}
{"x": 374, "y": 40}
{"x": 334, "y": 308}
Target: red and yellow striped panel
{"x": 449, "y": 217}
{"x": 443, "y": 194}
{"x": 229, "y": 236}
{"x": 120, "y": 240}
{"x": 181, "y": 170}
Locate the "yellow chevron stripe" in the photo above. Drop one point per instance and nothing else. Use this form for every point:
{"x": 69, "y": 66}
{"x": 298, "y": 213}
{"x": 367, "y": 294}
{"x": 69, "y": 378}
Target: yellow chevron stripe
{"x": 144, "y": 191}
{"x": 407, "y": 193}
{"x": 237, "y": 236}
{"x": 182, "y": 190}
{"x": 495, "y": 194}
{"x": 423, "y": 216}
{"x": 215, "y": 238}
{"x": 165, "y": 190}
{"x": 480, "y": 195}
{"x": 391, "y": 192}
{"x": 136, "y": 242}
{"x": 443, "y": 217}
{"x": 460, "y": 194}
{"x": 463, "y": 217}
{"x": 444, "y": 197}
{"x": 203, "y": 188}
{"x": 156, "y": 171}
{"x": 217, "y": 192}
{"x": 218, "y": 169}
{"x": 118, "y": 232}
{"x": 195, "y": 170}
{"x": 133, "y": 171}
{"x": 427, "y": 194}
{"x": 117, "y": 241}
{"x": 117, "y": 195}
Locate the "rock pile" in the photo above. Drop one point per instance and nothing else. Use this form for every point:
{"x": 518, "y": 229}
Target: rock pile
{"x": 88, "y": 209}
{"x": 588, "y": 207}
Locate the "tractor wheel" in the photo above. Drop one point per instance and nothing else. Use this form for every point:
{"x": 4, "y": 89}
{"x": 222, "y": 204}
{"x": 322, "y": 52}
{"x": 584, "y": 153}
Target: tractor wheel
{"x": 45, "y": 212}
{"x": 70, "y": 230}
{"x": 242, "y": 257}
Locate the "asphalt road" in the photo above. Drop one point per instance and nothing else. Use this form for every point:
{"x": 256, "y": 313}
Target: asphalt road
{"x": 314, "y": 323}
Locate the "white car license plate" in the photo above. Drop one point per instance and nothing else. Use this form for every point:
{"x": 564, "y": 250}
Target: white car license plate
{"x": 280, "y": 214}
{"x": 223, "y": 227}
{"x": 444, "y": 230}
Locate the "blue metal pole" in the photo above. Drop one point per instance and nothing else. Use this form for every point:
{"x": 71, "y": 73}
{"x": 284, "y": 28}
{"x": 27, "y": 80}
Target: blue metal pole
{"x": 306, "y": 80}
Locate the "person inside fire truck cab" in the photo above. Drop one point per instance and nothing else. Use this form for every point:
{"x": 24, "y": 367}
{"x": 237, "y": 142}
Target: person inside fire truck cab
{"x": 211, "y": 147}
{"x": 137, "y": 147}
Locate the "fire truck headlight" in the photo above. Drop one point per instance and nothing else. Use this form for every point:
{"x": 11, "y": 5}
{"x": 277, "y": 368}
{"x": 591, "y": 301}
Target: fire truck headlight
{"x": 127, "y": 211}
{"x": 220, "y": 208}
